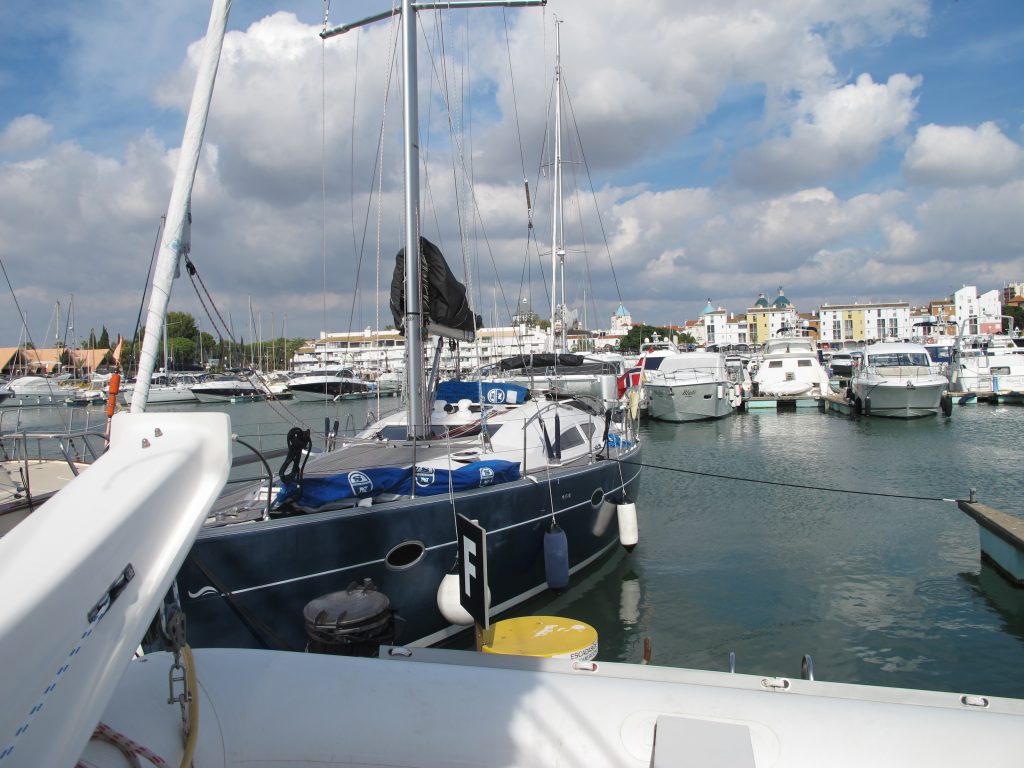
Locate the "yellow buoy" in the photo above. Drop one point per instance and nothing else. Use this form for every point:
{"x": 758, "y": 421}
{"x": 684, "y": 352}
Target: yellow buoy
{"x": 548, "y": 637}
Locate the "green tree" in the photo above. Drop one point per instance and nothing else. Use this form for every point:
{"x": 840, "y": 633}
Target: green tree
{"x": 104, "y": 342}
{"x": 181, "y": 325}
{"x": 1017, "y": 313}
{"x": 181, "y": 352}
{"x": 633, "y": 340}
{"x": 208, "y": 347}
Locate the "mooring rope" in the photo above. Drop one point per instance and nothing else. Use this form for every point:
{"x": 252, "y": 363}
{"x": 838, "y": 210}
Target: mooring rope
{"x": 789, "y": 485}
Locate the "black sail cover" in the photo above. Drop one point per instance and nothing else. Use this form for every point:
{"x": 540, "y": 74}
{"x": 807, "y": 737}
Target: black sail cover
{"x": 444, "y": 297}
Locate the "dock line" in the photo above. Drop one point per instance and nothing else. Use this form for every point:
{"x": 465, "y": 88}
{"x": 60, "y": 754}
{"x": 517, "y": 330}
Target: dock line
{"x": 790, "y": 485}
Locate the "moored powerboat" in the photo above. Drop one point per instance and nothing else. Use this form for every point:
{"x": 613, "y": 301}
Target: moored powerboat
{"x": 327, "y": 384}
{"x": 689, "y": 386}
{"x": 898, "y": 380}
{"x": 224, "y": 388}
{"x": 790, "y": 368}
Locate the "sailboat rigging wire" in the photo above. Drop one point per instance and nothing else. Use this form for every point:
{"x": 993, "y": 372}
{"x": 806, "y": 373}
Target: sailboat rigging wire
{"x": 194, "y": 275}
{"x": 600, "y": 220}
{"x": 799, "y": 486}
{"x": 17, "y": 306}
{"x": 145, "y": 290}
{"x": 460, "y": 155}
{"x": 64, "y": 419}
{"x": 515, "y": 105}
{"x": 323, "y": 174}
{"x": 359, "y": 247}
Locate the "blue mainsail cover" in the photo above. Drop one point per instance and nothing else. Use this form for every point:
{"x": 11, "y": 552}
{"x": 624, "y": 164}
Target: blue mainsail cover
{"x": 495, "y": 393}
{"x": 319, "y": 491}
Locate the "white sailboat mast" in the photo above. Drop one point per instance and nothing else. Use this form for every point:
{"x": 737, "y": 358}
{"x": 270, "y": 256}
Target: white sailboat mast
{"x": 413, "y": 291}
{"x": 557, "y": 234}
{"x": 171, "y": 244}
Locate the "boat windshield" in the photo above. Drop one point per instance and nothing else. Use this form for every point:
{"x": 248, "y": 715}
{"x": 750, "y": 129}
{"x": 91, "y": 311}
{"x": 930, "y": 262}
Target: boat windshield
{"x": 897, "y": 359}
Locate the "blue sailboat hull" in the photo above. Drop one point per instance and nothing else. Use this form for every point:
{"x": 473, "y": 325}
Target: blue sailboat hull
{"x": 246, "y": 585}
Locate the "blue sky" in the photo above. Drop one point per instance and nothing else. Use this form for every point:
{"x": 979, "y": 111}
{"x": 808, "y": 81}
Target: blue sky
{"x": 870, "y": 151}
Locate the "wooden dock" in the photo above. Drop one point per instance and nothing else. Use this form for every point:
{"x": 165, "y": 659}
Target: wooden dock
{"x": 836, "y": 403}
{"x": 1002, "y": 539}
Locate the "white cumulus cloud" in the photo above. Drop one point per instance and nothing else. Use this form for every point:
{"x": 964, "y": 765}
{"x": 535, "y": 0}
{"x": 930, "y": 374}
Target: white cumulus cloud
{"x": 841, "y": 130}
{"x": 962, "y": 156}
{"x": 25, "y": 133}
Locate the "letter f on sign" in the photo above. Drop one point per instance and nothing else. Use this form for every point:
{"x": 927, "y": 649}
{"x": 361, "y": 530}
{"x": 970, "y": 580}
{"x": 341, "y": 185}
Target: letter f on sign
{"x": 468, "y": 567}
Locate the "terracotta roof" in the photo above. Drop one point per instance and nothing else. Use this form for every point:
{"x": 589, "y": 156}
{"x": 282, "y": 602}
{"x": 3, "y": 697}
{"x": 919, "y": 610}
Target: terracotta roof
{"x": 49, "y": 359}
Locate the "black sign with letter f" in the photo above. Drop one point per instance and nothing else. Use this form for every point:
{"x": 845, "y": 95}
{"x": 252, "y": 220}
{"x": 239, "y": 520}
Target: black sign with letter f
{"x": 472, "y": 569}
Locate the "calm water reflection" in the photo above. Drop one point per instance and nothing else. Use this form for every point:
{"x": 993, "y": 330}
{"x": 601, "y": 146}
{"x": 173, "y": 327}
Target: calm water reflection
{"x": 885, "y": 591}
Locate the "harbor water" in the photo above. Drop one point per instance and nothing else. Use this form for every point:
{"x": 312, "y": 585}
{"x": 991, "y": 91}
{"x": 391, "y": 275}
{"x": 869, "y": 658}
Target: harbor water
{"x": 774, "y": 535}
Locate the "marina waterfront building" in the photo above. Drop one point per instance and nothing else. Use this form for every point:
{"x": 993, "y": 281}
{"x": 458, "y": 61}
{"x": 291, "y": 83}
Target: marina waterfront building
{"x": 722, "y": 328}
{"x": 864, "y": 322}
{"x": 978, "y": 313}
{"x": 371, "y": 352}
{"x": 766, "y": 320}
{"x": 364, "y": 351}
{"x": 622, "y": 321}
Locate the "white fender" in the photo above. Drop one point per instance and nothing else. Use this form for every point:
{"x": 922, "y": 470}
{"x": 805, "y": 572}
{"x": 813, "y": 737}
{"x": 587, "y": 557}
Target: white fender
{"x": 629, "y": 532}
{"x": 448, "y": 601}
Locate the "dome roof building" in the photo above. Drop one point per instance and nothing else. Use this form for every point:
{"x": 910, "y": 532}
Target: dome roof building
{"x": 622, "y": 321}
{"x": 781, "y": 302}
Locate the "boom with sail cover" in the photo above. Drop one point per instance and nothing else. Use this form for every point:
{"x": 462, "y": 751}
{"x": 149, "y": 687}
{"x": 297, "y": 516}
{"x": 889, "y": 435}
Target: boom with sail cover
{"x": 444, "y": 297}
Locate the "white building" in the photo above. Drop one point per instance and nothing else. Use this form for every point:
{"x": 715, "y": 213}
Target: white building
{"x": 372, "y": 352}
{"x": 721, "y": 328}
{"x": 622, "y": 321}
{"x": 872, "y": 321}
{"x": 978, "y": 314}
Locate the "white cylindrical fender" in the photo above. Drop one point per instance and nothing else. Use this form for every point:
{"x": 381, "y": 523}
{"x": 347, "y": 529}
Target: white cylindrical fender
{"x": 448, "y": 601}
{"x": 629, "y": 532}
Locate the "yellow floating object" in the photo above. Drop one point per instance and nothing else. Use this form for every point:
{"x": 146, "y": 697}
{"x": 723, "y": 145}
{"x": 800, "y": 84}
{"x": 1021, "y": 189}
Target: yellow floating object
{"x": 548, "y": 637}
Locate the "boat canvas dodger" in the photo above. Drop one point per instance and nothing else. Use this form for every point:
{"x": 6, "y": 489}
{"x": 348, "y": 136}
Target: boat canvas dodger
{"x": 82, "y": 577}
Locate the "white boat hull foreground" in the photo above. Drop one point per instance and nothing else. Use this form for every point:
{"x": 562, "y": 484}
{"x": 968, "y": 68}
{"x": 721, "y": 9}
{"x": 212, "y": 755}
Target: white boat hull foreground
{"x": 82, "y": 577}
{"x": 444, "y": 708}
